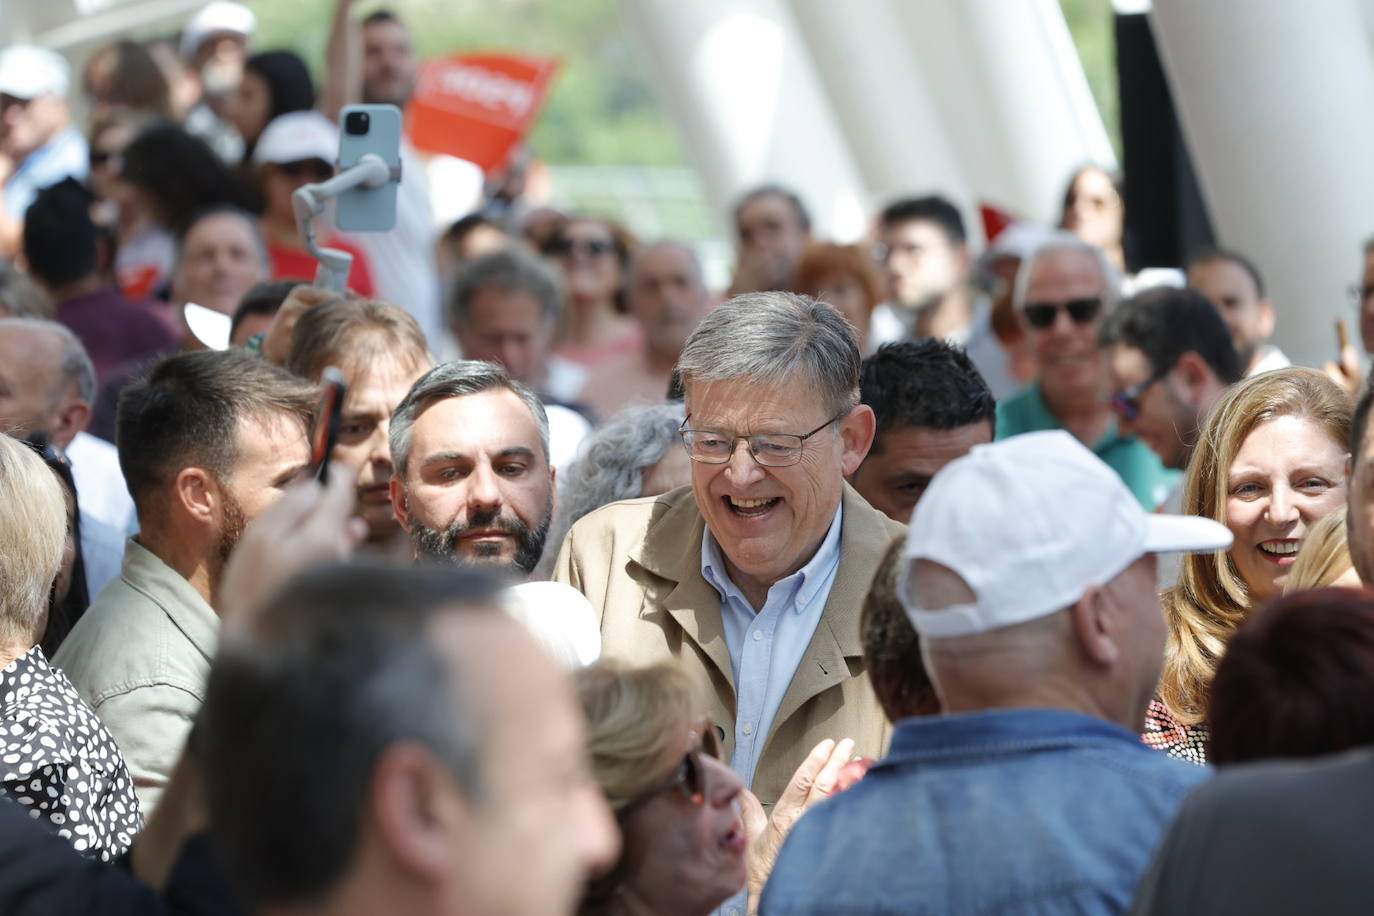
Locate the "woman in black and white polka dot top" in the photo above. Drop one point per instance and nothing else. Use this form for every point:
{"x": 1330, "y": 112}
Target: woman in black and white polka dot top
{"x": 56, "y": 758}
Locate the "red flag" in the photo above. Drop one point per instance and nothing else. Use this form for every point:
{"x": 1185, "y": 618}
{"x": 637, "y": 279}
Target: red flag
{"x": 478, "y": 107}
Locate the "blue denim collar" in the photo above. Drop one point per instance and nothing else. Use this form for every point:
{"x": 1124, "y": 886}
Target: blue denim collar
{"x": 995, "y": 732}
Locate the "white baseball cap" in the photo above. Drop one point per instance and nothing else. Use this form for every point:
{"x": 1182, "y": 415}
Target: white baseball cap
{"x": 297, "y": 135}
{"x": 216, "y": 18}
{"x": 1030, "y": 524}
{"x": 27, "y": 71}
{"x": 561, "y": 619}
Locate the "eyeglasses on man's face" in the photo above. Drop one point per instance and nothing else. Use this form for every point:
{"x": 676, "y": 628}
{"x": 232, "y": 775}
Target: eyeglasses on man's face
{"x": 1043, "y": 315}
{"x": 772, "y": 450}
{"x": 1126, "y": 402}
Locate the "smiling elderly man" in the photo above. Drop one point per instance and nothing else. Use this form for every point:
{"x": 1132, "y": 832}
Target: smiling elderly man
{"x": 754, "y": 578}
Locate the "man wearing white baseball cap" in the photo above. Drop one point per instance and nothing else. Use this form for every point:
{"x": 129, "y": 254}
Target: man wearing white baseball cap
{"x": 38, "y": 144}
{"x": 1030, "y": 576}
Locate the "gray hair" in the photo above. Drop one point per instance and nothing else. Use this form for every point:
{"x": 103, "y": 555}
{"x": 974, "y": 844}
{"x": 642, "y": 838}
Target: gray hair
{"x": 772, "y": 337}
{"x": 670, "y": 245}
{"x": 612, "y": 465}
{"x": 509, "y": 270}
{"x": 74, "y": 367}
{"x": 20, "y": 296}
{"x": 457, "y": 379}
{"x": 1067, "y": 241}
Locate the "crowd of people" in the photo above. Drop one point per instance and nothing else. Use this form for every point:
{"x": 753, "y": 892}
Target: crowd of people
{"x": 895, "y": 577}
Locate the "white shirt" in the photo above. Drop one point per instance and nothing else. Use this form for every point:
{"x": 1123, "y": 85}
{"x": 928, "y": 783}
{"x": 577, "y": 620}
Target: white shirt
{"x": 100, "y": 488}
{"x": 766, "y": 647}
{"x": 978, "y": 340}
{"x": 1271, "y": 358}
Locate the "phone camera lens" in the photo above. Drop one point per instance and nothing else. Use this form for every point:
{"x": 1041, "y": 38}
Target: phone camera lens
{"x": 357, "y": 123}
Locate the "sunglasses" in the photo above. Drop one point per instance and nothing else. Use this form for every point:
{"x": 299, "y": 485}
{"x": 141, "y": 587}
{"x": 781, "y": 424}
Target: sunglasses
{"x": 1043, "y": 315}
{"x": 317, "y": 169}
{"x": 592, "y": 247}
{"x": 688, "y": 777}
{"x": 1126, "y": 403}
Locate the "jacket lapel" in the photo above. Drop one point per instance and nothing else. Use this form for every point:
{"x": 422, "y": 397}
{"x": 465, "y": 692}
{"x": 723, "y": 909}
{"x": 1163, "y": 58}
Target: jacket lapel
{"x": 692, "y": 603}
{"x": 836, "y": 649}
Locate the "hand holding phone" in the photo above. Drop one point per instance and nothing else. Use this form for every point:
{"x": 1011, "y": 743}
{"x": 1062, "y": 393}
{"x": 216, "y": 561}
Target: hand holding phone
{"x": 327, "y": 419}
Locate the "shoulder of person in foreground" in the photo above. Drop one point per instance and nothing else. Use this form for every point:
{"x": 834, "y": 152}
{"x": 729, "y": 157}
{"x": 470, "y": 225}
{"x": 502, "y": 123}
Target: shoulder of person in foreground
{"x": 1269, "y": 838}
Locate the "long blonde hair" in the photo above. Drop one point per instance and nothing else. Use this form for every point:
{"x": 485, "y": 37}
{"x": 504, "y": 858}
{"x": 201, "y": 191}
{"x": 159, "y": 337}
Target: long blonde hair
{"x": 1211, "y": 598}
{"x": 1323, "y": 556}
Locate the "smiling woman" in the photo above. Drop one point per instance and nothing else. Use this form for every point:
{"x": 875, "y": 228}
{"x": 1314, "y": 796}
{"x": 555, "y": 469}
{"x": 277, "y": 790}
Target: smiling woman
{"x": 1269, "y": 464}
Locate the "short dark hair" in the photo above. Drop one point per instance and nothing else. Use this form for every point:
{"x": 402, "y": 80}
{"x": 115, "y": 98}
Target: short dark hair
{"x": 776, "y": 190}
{"x": 1165, "y": 322}
{"x": 186, "y": 414}
{"x": 288, "y": 81}
{"x": 59, "y": 235}
{"x": 263, "y": 299}
{"x": 377, "y": 17}
{"x": 342, "y": 664}
{"x": 891, "y": 647}
{"x": 179, "y": 173}
{"x": 927, "y": 383}
{"x": 508, "y": 270}
{"x": 1297, "y": 679}
{"x": 931, "y": 208}
{"x": 353, "y": 333}
{"x": 1209, "y": 255}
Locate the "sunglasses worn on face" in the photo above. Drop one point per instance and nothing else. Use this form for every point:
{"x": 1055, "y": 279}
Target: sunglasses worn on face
{"x": 1042, "y": 315}
{"x": 591, "y": 247}
{"x": 688, "y": 777}
{"x": 1126, "y": 403}
{"x": 316, "y": 169}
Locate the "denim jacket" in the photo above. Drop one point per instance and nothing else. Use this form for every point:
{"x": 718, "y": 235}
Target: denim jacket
{"x": 1024, "y": 811}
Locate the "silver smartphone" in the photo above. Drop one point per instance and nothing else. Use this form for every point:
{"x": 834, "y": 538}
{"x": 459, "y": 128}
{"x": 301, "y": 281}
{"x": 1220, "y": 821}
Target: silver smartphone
{"x": 369, "y": 129}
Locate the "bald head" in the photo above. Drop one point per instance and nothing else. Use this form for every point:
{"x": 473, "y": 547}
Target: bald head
{"x": 667, "y": 295}
{"x": 47, "y": 382}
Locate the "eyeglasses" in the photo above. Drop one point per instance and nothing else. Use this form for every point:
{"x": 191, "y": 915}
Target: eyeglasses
{"x": 772, "y": 450}
{"x": 1360, "y": 293}
{"x": 591, "y": 247}
{"x": 1043, "y": 315}
{"x": 1126, "y": 403}
{"x": 688, "y": 777}
{"x": 317, "y": 169}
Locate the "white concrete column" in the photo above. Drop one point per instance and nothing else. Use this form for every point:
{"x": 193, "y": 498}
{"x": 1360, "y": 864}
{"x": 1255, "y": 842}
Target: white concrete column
{"x": 1012, "y": 94}
{"x": 884, "y": 102}
{"x": 737, "y": 80}
{"x": 1274, "y": 98}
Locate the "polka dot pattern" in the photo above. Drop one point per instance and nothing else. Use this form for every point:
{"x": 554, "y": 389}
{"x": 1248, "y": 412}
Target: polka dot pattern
{"x": 59, "y": 762}
{"x": 1165, "y": 733}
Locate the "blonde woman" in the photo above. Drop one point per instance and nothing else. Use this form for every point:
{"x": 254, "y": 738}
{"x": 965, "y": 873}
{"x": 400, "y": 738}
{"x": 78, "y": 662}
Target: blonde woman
{"x": 1269, "y": 464}
{"x": 658, "y": 759}
{"x": 1324, "y": 558}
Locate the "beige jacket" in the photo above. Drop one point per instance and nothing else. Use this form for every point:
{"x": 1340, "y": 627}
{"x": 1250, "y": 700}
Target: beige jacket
{"x": 639, "y": 563}
{"x": 141, "y": 655}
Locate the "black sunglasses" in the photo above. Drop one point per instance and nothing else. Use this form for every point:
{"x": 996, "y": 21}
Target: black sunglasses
{"x": 688, "y": 777}
{"x": 593, "y": 247}
{"x": 1042, "y": 315}
{"x": 307, "y": 168}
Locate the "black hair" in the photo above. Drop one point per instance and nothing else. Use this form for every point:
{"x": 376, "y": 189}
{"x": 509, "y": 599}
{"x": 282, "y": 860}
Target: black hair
{"x": 180, "y": 174}
{"x": 927, "y": 383}
{"x": 933, "y": 209}
{"x": 263, "y": 299}
{"x": 1165, "y": 322}
{"x": 60, "y": 240}
{"x": 1209, "y": 255}
{"x": 289, "y": 86}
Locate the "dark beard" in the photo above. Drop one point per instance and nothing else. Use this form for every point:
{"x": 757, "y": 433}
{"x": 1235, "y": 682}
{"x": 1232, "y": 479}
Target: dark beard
{"x": 431, "y": 544}
{"x": 230, "y": 532}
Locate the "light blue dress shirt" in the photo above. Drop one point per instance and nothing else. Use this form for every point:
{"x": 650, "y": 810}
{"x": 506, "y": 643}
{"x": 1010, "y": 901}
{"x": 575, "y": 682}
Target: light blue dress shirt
{"x": 766, "y": 647}
{"x": 65, "y": 156}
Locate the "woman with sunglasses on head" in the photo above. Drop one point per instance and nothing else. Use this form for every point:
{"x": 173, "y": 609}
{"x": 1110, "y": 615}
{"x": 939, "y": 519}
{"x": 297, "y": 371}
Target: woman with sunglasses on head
{"x": 594, "y": 258}
{"x": 1269, "y": 464}
{"x": 657, "y": 758}
{"x": 1063, "y": 292}
{"x": 296, "y": 149}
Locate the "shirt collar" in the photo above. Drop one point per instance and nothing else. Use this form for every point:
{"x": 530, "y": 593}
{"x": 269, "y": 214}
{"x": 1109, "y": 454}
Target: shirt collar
{"x": 804, "y": 583}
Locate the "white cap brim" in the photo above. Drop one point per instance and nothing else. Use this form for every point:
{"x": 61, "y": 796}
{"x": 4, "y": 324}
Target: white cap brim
{"x": 209, "y": 326}
{"x": 1184, "y": 534}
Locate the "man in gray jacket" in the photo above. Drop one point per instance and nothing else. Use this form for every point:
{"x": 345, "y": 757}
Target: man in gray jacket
{"x": 206, "y": 443}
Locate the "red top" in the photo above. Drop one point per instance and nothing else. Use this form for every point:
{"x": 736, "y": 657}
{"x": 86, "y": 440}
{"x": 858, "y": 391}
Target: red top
{"x": 299, "y": 264}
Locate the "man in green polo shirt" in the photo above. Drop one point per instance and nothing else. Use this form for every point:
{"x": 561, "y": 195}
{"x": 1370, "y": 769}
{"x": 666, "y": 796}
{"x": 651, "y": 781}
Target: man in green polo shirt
{"x": 1063, "y": 291}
